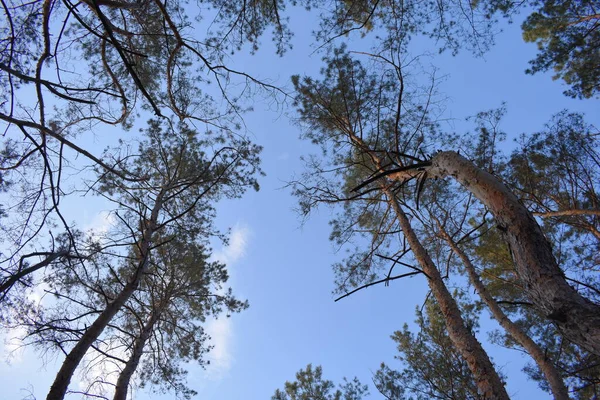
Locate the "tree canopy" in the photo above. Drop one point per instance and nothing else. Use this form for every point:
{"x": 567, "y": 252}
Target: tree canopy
{"x": 310, "y": 385}
{"x": 566, "y": 33}
{"x": 126, "y": 306}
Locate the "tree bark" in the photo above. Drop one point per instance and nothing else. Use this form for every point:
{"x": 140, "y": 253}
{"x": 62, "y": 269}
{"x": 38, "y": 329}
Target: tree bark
{"x": 568, "y": 213}
{"x": 488, "y": 382}
{"x": 63, "y": 377}
{"x": 577, "y": 318}
{"x": 557, "y": 385}
{"x": 486, "y": 378}
{"x": 134, "y": 360}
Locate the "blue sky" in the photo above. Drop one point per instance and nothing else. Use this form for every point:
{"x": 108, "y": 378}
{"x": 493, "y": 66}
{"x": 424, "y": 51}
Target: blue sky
{"x": 283, "y": 267}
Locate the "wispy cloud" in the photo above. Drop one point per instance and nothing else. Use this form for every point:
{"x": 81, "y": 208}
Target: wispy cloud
{"x": 100, "y": 224}
{"x": 13, "y": 341}
{"x": 221, "y": 330}
{"x": 14, "y": 345}
{"x": 221, "y": 358}
{"x": 236, "y": 249}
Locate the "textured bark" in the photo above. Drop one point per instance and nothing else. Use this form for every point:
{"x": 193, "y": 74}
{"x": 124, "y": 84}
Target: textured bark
{"x": 134, "y": 360}
{"x": 568, "y": 213}
{"x": 63, "y": 377}
{"x": 488, "y": 382}
{"x": 576, "y": 317}
{"x": 557, "y": 385}
{"x": 486, "y": 378}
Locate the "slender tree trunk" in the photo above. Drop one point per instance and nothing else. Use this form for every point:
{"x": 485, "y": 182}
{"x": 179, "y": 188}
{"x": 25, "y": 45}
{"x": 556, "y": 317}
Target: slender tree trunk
{"x": 557, "y": 385}
{"x": 486, "y": 378}
{"x": 576, "y": 317}
{"x": 134, "y": 360}
{"x": 488, "y": 382}
{"x": 63, "y": 377}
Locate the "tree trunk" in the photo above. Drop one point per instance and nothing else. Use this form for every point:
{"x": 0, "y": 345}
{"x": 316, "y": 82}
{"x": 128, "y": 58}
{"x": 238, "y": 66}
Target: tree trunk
{"x": 557, "y": 385}
{"x": 134, "y": 360}
{"x": 486, "y": 378}
{"x": 488, "y": 382}
{"x": 576, "y": 317}
{"x": 63, "y": 377}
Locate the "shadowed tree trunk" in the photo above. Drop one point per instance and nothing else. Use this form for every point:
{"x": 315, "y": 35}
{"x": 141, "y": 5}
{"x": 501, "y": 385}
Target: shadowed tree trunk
{"x": 486, "y": 377}
{"x": 134, "y": 360}
{"x": 557, "y": 385}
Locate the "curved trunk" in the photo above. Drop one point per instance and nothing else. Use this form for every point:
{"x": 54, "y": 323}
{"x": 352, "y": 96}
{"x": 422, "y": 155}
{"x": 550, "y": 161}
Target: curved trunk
{"x": 486, "y": 377}
{"x": 557, "y": 385}
{"x": 134, "y": 360}
{"x": 576, "y": 317}
{"x": 63, "y": 377}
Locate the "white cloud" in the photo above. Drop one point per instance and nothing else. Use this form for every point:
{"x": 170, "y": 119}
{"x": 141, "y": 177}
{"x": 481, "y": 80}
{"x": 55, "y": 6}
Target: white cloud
{"x": 221, "y": 358}
{"x": 100, "y": 224}
{"x": 14, "y": 345}
{"x": 238, "y": 241}
{"x": 38, "y": 293}
{"x": 221, "y": 330}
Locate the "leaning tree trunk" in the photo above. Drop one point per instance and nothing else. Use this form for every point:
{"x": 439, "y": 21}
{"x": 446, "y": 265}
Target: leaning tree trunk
{"x": 63, "y": 377}
{"x": 577, "y": 318}
{"x": 486, "y": 378}
{"x": 488, "y": 382}
{"x": 557, "y": 385}
{"x": 134, "y": 360}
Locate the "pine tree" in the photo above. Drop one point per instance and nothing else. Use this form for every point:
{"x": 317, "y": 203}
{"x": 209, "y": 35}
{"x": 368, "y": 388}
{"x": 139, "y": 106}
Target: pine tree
{"x": 310, "y": 385}
{"x": 126, "y": 275}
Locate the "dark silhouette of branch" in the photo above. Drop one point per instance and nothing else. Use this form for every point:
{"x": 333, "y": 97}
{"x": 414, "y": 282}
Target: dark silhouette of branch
{"x": 415, "y": 166}
{"x": 138, "y": 82}
{"x": 514, "y": 303}
{"x": 8, "y": 283}
{"x": 387, "y": 279}
{"x": 68, "y": 143}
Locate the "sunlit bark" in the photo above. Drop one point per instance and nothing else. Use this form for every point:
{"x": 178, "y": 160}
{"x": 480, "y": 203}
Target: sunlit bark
{"x": 576, "y": 317}
{"x": 486, "y": 377}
